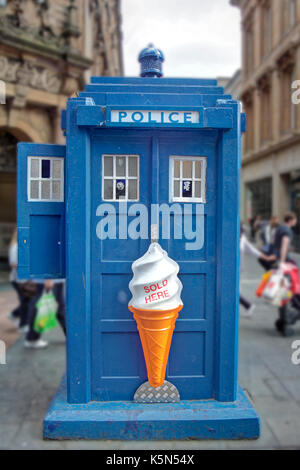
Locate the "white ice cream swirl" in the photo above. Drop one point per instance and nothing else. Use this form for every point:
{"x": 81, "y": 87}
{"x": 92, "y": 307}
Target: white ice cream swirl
{"x": 155, "y": 285}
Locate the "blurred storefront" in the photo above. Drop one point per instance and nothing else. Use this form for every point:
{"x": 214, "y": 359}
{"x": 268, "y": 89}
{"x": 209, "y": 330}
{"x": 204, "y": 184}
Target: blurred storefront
{"x": 48, "y": 50}
{"x": 259, "y": 198}
{"x": 271, "y": 146}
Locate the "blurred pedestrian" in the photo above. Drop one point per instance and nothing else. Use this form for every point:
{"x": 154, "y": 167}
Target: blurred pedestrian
{"x": 268, "y": 233}
{"x": 247, "y": 247}
{"x": 257, "y": 226}
{"x": 252, "y": 227}
{"x": 19, "y": 316}
{"x": 282, "y": 247}
{"x": 283, "y": 238}
{"x": 33, "y": 339}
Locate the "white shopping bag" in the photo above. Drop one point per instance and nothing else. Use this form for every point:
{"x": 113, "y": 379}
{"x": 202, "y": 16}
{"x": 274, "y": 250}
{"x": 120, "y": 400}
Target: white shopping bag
{"x": 274, "y": 286}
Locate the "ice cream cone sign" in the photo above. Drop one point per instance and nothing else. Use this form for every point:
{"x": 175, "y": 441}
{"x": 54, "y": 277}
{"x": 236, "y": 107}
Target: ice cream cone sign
{"x": 155, "y": 304}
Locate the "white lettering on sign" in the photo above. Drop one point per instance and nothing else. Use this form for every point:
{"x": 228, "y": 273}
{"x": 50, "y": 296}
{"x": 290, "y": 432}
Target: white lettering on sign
{"x": 154, "y": 117}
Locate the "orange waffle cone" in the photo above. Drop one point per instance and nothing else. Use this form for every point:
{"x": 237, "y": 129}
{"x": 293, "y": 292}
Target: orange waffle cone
{"x": 156, "y": 330}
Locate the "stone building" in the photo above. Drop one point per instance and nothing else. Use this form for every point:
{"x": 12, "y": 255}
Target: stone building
{"x": 48, "y": 50}
{"x": 270, "y": 65}
{"x": 233, "y": 85}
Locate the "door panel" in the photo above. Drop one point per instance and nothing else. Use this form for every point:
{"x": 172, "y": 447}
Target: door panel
{"x": 44, "y": 247}
{"x": 41, "y": 211}
{"x": 190, "y": 365}
{"x": 118, "y": 365}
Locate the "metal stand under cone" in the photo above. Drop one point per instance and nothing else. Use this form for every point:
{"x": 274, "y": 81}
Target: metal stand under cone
{"x": 166, "y": 393}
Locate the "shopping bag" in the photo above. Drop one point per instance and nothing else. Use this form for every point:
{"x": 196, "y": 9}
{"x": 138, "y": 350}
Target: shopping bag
{"x": 273, "y": 286}
{"x": 291, "y": 270}
{"x": 284, "y": 293}
{"x": 46, "y": 318}
{"x": 263, "y": 283}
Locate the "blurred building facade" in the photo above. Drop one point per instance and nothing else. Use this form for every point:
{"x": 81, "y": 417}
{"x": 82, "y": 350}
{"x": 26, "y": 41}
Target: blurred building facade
{"x": 271, "y": 146}
{"x": 48, "y": 50}
{"x": 233, "y": 86}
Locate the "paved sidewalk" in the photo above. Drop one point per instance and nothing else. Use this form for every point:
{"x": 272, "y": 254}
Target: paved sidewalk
{"x": 30, "y": 378}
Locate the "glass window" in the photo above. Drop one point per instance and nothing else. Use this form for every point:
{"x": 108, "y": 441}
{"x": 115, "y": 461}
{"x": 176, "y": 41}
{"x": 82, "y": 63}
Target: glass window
{"x": 120, "y": 177}
{"x": 188, "y": 179}
{"x": 45, "y": 179}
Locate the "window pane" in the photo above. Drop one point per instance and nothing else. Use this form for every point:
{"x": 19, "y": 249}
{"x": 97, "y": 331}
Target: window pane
{"x": 45, "y": 168}
{"x": 121, "y": 166}
{"x": 187, "y": 188}
{"x": 35, "y": 165}
{"x": 45, "y": 189}
{"x": 120, "y": 189}
{"x": 177, "y": 189}
{"x": 108, "y": 189}
{"x": 187, "y": 169}
{"x": 197, "y": 189}
{"x": 176, "y": 169}
{"x": 132, "y": 189}
{"x": 198, "y": 169}
{"x": 56, "y": 169}
{"x": 108, "y": 166}
{"x": 56, "y": 190}
{"x": 132, "y": 166}
{"x": 34, "y": 190}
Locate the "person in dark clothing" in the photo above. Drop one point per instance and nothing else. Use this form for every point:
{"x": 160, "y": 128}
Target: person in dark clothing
{"x": 283, "y": 238}
{"x": 21, "y": 312}
{"x": 282, "y": 245}
{"x": 33, "y": 339}
{"x": 247, "y": 305}
{"x": 268, "y": 237}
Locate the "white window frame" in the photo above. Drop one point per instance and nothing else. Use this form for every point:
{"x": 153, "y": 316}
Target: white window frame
{"x": 126, "y": 177}
{"x": 183, "y": 158}
{"x": 40, "y": 179}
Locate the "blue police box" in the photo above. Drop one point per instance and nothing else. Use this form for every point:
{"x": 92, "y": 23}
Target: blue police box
{"x": 85, "y": 213}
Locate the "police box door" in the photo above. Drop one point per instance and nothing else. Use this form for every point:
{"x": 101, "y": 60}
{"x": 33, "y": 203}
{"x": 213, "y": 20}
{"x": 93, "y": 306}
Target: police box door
{"x": 121, "y": 179}
{"x": 188, "y": 184}
{"x": 142, "y": 167}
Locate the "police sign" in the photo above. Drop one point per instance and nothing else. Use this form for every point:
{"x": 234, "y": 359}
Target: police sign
{"x": 153, "y": 117}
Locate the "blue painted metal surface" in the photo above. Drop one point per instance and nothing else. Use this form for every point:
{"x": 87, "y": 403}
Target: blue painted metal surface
{"x": 151, "y": 60}
{"x": 41, "y": 225}
{"x": 105, "y": 364}
{"x": 205, "y": 419}
{"x": 147, "y": 80}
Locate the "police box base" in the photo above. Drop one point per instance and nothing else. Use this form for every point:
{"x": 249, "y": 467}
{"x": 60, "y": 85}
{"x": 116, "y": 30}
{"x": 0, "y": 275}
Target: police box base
{"x": 199, "y": 419}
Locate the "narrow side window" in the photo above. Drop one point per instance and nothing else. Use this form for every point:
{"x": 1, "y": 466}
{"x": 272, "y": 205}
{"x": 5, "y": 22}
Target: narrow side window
{"x": 45, "y": 179}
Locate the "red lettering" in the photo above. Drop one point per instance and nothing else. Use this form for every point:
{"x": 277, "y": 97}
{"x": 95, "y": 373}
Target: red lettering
{"x": 158, "y": 295}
